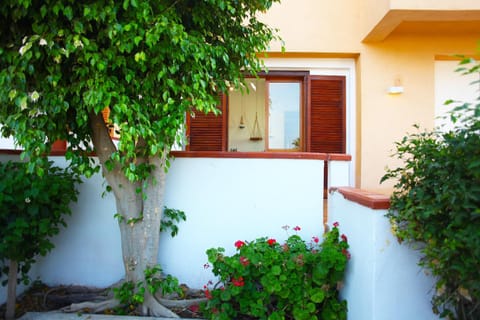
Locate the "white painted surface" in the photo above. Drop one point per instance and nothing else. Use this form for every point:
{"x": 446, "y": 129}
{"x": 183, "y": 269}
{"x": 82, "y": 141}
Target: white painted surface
{"x": 225, "y": 200}
{"x": 451, "y": 85}
{"x": 8, "y": 143}
{"x": 339, "y": 173}
{"x": 237, "y": 199}
{"x": 383, "y": 280}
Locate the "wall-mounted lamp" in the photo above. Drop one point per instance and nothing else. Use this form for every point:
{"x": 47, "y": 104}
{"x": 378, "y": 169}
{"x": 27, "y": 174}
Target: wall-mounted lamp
{"x": 397, "y": 88}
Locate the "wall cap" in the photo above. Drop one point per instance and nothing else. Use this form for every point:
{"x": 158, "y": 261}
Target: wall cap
{"x": 368, "y": 199}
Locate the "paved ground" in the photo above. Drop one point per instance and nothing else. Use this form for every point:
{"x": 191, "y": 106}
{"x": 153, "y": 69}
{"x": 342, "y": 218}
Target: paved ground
{"x": 76, "y": 316}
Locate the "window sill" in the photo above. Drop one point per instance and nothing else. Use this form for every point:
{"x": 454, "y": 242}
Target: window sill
{"x": 233, "y": 155}
{"x": 262, "y": 155}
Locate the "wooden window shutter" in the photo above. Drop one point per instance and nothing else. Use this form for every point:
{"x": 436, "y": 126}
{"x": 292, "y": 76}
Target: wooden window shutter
{"x": 207, "y": 132}
{"x": 326, "y": 114}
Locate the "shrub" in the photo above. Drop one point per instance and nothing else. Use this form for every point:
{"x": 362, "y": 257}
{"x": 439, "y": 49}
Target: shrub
{"x": 436, "y": 204}
{"x": 268, "y": 280}
{"x": 32, "y": 209}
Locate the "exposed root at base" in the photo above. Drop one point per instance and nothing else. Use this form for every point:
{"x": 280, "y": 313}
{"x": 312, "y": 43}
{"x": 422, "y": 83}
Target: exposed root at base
{"x": 152, "y": 307}
{"x": 91, "y": 306}
{"x": 182, "y": 304}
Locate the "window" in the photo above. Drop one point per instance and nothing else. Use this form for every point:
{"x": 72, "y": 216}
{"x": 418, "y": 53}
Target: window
{"x": 279, "y": 111}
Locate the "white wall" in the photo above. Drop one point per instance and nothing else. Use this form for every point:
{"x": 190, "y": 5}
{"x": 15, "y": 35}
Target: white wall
{"x": 451, "y": 85}
{"x": 237, "y": 199}
{"x": 383, "y": 280}
{"x": 224, "y": 199}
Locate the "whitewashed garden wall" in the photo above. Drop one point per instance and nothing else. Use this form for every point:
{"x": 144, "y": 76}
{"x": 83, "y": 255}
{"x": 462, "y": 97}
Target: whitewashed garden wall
{"x": 383, "y": 280}
{"x": 225, "y": 200}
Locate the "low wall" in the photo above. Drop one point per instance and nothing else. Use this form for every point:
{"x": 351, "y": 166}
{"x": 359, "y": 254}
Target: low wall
{"x": 224, "y": 199}
{"x": 383, "y": 280}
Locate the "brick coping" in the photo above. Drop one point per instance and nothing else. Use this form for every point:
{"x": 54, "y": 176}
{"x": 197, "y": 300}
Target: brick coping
{"x": 366, "y": 198}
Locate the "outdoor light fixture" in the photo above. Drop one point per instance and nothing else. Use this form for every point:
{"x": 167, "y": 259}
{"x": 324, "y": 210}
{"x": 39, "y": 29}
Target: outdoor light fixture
{"x": 397, "y": 88}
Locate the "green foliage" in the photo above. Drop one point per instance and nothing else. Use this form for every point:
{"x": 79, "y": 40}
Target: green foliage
{"x": 171, "y": 217}
{"x": 150, "y": 61}
{"x": 32, "y": 210}
{"x": 268, "y": 280}
{"x": 131, "y": 295}
{"x": 436, "y": 204}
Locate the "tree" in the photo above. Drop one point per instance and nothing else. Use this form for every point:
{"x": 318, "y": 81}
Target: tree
{"x": 151, "y": 62}
{"x": 32, "y": 209}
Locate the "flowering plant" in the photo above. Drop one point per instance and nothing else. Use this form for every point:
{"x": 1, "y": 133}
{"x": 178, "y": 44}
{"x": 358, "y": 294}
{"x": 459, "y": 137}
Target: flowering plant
{"x": 268, "y": 280}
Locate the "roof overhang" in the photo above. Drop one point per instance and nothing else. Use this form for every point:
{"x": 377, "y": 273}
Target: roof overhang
{"x": 424, "y": 21}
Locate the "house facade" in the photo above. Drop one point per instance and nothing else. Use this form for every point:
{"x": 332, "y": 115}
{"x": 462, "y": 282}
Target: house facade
{"x": 355, "y": 77}
{"x": 404, "y": 45}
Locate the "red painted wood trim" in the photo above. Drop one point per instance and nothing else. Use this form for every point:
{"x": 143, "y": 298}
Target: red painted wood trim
{"x": 239, "y": 155}
{"x": 365, "y": 198}
{"x": 52, "y": 153}
{"x": 262, "y": 155}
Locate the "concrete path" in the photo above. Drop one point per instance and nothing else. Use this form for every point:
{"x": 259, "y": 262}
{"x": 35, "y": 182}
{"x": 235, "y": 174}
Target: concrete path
{"x": 78, "y": 316}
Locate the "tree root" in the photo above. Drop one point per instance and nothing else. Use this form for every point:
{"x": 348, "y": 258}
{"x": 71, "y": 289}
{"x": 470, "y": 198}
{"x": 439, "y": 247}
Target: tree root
{"x": 92, "y": 306}
{"x": 153, "y": 305}
{"x": 181, "y": 304}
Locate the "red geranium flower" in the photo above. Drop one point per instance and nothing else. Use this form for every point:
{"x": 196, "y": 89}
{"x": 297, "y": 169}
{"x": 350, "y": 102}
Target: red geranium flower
{"x": 238, "y": 282}
{"x": 194, "y": 308}
{"x": 315, "y": 239}
{"x": 344, "y": 238}
{"x": 346, "y": 253}
{"x": 239, "y": 244}
{"x": 244, "y": 261}
{"x": 336, "y": 224}
{"x": 271, "y": 241}
{"x": 208, "y": 294}
{"x": 297, "y": 228}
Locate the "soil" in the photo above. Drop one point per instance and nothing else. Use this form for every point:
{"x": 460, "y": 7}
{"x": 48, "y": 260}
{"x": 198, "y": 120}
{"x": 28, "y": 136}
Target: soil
{"x": 42, "y": 298}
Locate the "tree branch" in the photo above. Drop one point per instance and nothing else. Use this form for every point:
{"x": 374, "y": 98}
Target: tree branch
{"x": 102, "y": 142}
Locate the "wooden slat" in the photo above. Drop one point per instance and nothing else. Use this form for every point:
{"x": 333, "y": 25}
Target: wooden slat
{"x": 326, "y": 114}
{"x": 207, "y": 132}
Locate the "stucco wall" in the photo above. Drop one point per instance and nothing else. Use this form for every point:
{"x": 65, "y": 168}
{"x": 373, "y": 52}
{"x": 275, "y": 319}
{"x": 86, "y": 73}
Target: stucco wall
{"x": 224, "y": 199}
{"x": 387, "y": 118}
{"x": 323, "y": 29}
{"x": 383, "y": 280}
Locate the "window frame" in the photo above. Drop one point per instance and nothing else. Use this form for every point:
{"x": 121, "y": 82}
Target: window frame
{"x": 302, "y": 113}
{"x": 331, "y": 97}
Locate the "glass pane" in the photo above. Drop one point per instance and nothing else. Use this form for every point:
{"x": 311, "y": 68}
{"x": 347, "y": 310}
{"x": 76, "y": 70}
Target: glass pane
{"x": 284, "y": 115}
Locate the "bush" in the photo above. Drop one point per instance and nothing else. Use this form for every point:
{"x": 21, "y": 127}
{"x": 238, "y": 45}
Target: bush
{"x": 269, "y": 280}
{"x": 436, "y": 204}
{"x": 32, "y": 209}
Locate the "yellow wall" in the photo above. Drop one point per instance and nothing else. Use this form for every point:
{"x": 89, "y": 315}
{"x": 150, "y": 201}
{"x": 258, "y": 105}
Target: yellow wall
{"x": 405, "y": 57}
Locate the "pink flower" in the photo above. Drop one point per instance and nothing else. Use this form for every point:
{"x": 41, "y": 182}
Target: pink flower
{"x": 297, "y": 228}
{"x": 238, "y": 282}
{"x": 344, "y": 238}
{"x": 244, "y": 261}
{"x": 315, "y": 239}
{"x": 271, "y": 241}
{"x": 206, "y": 266}
{"x": 239, "y": 244}
{"x": 336, "y": 224}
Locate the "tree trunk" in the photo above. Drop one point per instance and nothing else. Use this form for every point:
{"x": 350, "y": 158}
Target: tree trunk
{"x": 140, "y": 228}
{"x": 140, "y": 212}
{"x": 12, "y": 290}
